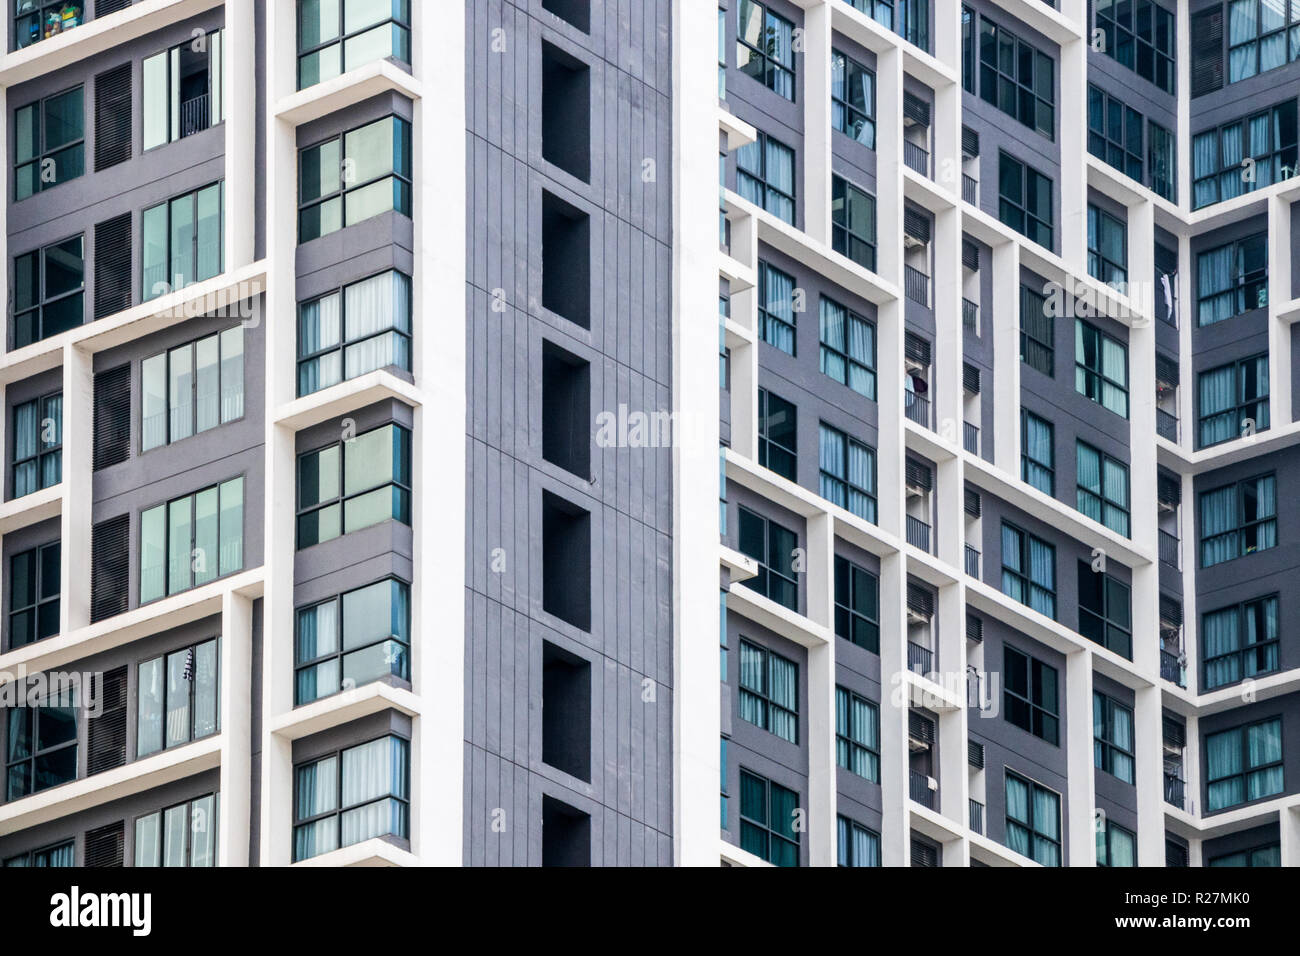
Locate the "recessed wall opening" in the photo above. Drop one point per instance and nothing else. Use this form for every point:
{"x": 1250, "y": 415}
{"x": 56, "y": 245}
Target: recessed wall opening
{"x": 566, "y": 711}
{"x": 566, "y": 561}
{"x": 566, "y": 260}
{"x": 566, "y": 410}
{"x": 576, "y": 12}
{"x": 566, "y": 834}
{"x": 566, "y": 112}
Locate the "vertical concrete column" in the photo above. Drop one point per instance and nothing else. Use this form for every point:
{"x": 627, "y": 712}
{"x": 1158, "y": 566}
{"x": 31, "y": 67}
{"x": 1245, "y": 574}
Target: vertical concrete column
{"x": 275, "y": 807}
{"x": 1279, "y": 292}
{"x": 75, "y": 521}
{"x": 1071, "y": 112}
{"x": 1186, "y": 315}
{"x": 438, "y": 760}
{"x": 1080, "y": 826}
{"x": 236, "y": 729}
{"x": 822, "y": 837}
{"x": 1288, "y": 824}
{"x": 1006, "y": 357}
{"x": 696, "y": 716}
{"x": 1192, "y": 767}
{"x": 889, "y": 167}
{"x": 889, "y": 315}
{"x": 239, "y": 82}
{"x": 817, "y": 121}
{"x": 1190, "y": 558}
{"x": 744, "y": 360}
{"x": 1149, "y": 775}
{"x": 954, "y": 784}
{"x": 948, "y": 339}
{"x": 894, "y": 700}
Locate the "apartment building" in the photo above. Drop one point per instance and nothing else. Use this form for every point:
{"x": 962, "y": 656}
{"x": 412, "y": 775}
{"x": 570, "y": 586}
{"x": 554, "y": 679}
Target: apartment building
{"x": 375, "y": 498}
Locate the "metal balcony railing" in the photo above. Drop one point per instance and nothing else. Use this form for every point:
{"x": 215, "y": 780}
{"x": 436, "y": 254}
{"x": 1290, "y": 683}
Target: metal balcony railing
{"x": 920, "y": 659}
{"x": 970, "y": 437}
{"x": 1169, "y": 549}
{"x": 970, "y": 315}
{"x": 194, "y": 115}
{"x": 972, "y": 562}
{"x": 1175, "y": 791}
{"x": 1171, "y": 668}
{"x": 917, "y": 408}
{"x": 918, "y": 534}
{"x": 916, "y": 285}
{"x": 920, "y": 788}
{"x": 916, "y": 157}
{"x": 970, "y": 189}
{"x": 1167, "y": 425}
{"x": 976, "y": 816}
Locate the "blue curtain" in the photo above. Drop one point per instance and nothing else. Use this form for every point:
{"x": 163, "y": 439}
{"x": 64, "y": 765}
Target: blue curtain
{"x": 1012, "y": 572}
{"x": 1088, "y": 472}
{"x": 1018, "y": 811}
{"x": 780, "y": 176}
{"x": 1042, "y": 574}
{"x": 831, "y": 457}
{"x": 1264, "y": 746}
{"x": 1047, "y": 824}
{"x": 778, "y": 303}
{"x": 1223, "y": 767}
{"x": 1205, "y": 167}
{"x": 862, "y": 481}
{"x": 1218, "y": 416}
{"x": 1218, "y": 526}
{"x": 751, "y": 678}
{"x": 784, "y": 694}
{"x": 832, "y": 323}
{"x": 1219, "y": 631}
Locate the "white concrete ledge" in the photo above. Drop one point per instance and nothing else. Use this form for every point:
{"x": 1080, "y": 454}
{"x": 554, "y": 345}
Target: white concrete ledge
{"x": 354, "y": 86}
{"x": 738, "y": 132}
{"x": 375, "y": 852}
{"x": 31, "y": 509}
{"x": 735, "y": 856}
{"x": 777, "y": 618}
{"x": 741, "y": 566}
{"x": 343, "y": 708}
{"x": 347, "y": 396}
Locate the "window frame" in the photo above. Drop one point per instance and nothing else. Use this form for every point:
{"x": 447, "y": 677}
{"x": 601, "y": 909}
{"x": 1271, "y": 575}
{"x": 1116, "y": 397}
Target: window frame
{"x": 1035, "y": 350}
{"x": 766, "y": 317}
{"x": 33, "y": 714}
{"x": 767, "y": 828}
{"x": 164, "y": 721}
{"x": 1042, "y": 721}
{"x": 1259, "y": 404}
{"x": 772, "y": 68}
{"x": 193, "y": 345}
{"x": 845, "y": 238}
{"x": 1024, "y": 577}
{"x": 342, "y": 37}
{"x": 772, "y": 195}
{"x": 767, "y": 569}
{"x": 1030, "y": 826}
{"x": 1091, "y": 382}
{"x": 1106, "y": 620}
{"x": 1242, "y": 611}
{"x": 341, "y": 649}
{"x": 850, "y": 740}
{"x": 1242, "y": 281}
{"x": 1028, "y": 463}
{"x": 28, "y": 859}
{"x": 403, "y": 484}
{"x": 1290, "y": 50}
{"x": 766, "y": 706}
{"x": 165, "y": 507}
{"x": 844, "y": 115}
{"x": 1247, "y": 769}
{"x": 841, "y": 485}
{"x": 42, "y": 151}
{"x": 1105, "y": 749}
{"x": 339, "y": 807}
{"x": 1103, "y": 496}
{"x": 1105, "y": 843}
{"x": 990, "y": 69}
{"x": 37, "y": 555}
{"x": 42, "y": 451}
{"x": 1028, "y": 180}
{"x": 840, "y": 353}
{"x": 845, "y": 855}
{"x": 1120, "y": 154}
{"x": 215, "y": 52}
{"x": 1100, "y": 266}
{"x": 344, "y": 344}
{"x": 213, "y": 812}
{"x": 1242, "y": 524}
{"x": 345, "y": 189}
{"x": 166, "y": 286}
{"x": 1279, "y": 157}
{"x": 41, "y": 300}
{"x": 1114, "y": 45}
{"x": 847, "y": 612}
{"x": 766, "y": 443}
{"x": 39, "y": 14}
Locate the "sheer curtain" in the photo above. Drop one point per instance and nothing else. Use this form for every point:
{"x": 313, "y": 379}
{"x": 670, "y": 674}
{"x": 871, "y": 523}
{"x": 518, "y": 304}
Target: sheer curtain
{"x": 751, "y": 679}
{"x": 784, "y": 694}
{"x": 1264, "y": 746}
{"x": 862, "y": 481}
{"x": 319, "y": 328}
{"x": 372, "y": 772}
{"x": 26, "y": 435}
{"x": 867, "y": 725}
{"x": 1242, "y": 27}
{"x": 317, "y": 793}
{"x": 1220, "y": 635}
{"x": 779, "y": 304}
{"x": 832, "y": 323}
{"x": 1223, "y": 765}
{"x": 831, "y": 460}
{"x": 780, "y": 175}
{"x": 1013, "y": 585}
{"x": 1218, "y": 417}
{"x": 1088, "y": 468}
{"x": 1047, "y": 824}
{"x": 1218, "y": 526}
{"x": 1018, "y": 811}
{"x": 862, "y": 350}
{"x": 1042, "y": 572}
{"x": 1205, "y": 168}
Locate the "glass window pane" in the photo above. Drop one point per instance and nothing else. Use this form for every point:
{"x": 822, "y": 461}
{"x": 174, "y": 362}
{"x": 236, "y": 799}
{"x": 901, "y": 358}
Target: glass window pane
{"x": 205, "y": 689}
{"x": 232, "y": 374}
{"x": 155, "y": 109}
{"x": 176, "y": 825}
{"x": 181, "y": 269}
{"x": 368, "y": 460}
{"x": 232, "y": 526}
{"x": 147, "y": 839}
{"x": 209, "y": 233}
{"x": 153, "y": 537}
{"x": 179, "y": 677}
{"x": 206, "y": 557}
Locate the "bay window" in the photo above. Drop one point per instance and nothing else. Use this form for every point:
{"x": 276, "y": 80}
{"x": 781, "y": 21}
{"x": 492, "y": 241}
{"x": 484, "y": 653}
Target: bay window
{"x": 353, "y": 639}
{"x": 335, "y": 36}
{"x": 354, "y": 484}
{"x": 362, "y": 327}
{"x": 355, "y": 176}
{"x": 351, "y": 796}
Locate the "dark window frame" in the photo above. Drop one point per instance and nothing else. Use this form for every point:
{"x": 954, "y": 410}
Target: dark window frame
{"x": 767, "y": 828}
{"x": 849, "y": 740}
{"x": 1103, "y": 497}
{"x": 43, "y": 451}
{"x": 1025, "y": 577}
{"x": 846, "y": 238}
{"x": 767, "y": 443}
{"x": 165, "y": 712}
{"x": 1030, "y": 826}
{"x": 850, "y": 618}
{"x": 344, "y": 343}
{"x": 1107, "y": 625}
{"x": 1105, "y": 748}
{"x": 147, "y": 292}
{"x": 762, "y": 696}
{"x": 342, "y": 37}
{"x": 1011, "y": 210}
{"x": 1090, "y": 382}
{"x": 829, "y": 482}
{"x": 1257, "y": 405}
{"x": 406, "y": 180}
{"x": 768, "y": 568}
{"x": 1242, "y": 611}
{"x": 1242, "y": 525}
{"x": 41, "y": 300}
{"x": 1128, "y": 36}
{"x": 340, "y": 808}
{"x": 402, "y": 485}
{"x": 996, "y": 82}
{"x": 773, "y": 72}
{"x": 42, "y": 150}
{"x": 845, "y": 117}
{"x": 166, "y": 508}
{"x": 33, "y": 716}
{"x": 36, "y": 555}
{"x": 1042, "y": 719}
{"x": 1247, "y": 769}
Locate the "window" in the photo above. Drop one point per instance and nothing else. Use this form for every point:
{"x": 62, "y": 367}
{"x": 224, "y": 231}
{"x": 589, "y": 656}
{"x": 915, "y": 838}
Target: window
{"x": 183, "y": 835}
{"x": 354, "y": 484}
{"x": 34, "y": 595}
{"x": 1238, "y": 520}
{"x": 1033, "y": 820}
{"x": 776, "y": 318}
{"x": 1112, "y": 737}
{"x": 62, "y": 855}
{"x": 723, "y": 796}
{"x": 1102, "y": 488}
{"x": 857, "y": 845}
{"x": 857, "y": 734}
{"x": 1115, "y": 132}
{"x": 853, "y": 99}
{"x": 1101, "y": 367}
{"x": 1240, "y": 642}
{"x": 192, "y": 540}
{"x": 192, "y": 388}
{"x": 360, "y": 328}
{"x": 183, "y": 241}
{"x": 853, "y": 223}
{"x": 335, "y": 37}
{"x": 1037, "y": 332}
{"x": 1270, "y": 855}
{"x": 1030, "y": 695}
{"x": 1029, "y": 570}
{"x": 765, "y": 47}
{"x": 1245, "y": 155}
{"x": 848, "y": 348}
{"x": 350, "y": 178}
{"x": 765, "y": 176}
{"x": 911, "y": 20}
{"x": 38, "y": 444}
{"x": 352, "y": 796}
{"x": 1105, "y": 610}
{"x": 722, "y": 79}
{"x": 1141, "y": 36}
{"x": 1116, "y": 846}
{"x": 1232, "y": 279}
{"x": 1107, "y": 248}
{"x": 178, "y": 698}
{"x": 857, "y": 605}
{"x": 1233, "y": 399}
{"x": 1243, "y": 764}
{"x": 358, "y": 637}
{"x": 777, "y": 442}
{"x": 1162, "y": 160}
{"x": 566, "y": 410}
{"x": 1257, "y": 36}
{"x": 1025, "y": 200}
{"x": 49, "y": 144}
{"x": 49, "y": 291}
{"x": 182, "y": 90}
{"x": 773, "y": 547}
{"x": 968, "y": 22}
{"x": 37, "y": 20}
{"x": 1037, "y": 453}
{"x": 1017, "y": 79}
{"x": 847, "y": 473}
{"x": 767, "y": 820}
{"x": 769, "y": 691}
{"x": 42, "y": 745}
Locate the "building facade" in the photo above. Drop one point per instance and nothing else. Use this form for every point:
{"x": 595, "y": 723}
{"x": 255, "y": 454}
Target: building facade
{"x": 375, "y": 498}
